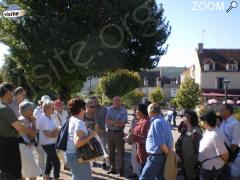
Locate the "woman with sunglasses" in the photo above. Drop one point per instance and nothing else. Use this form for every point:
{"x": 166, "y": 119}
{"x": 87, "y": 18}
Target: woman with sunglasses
{"x": 89, "y": 117}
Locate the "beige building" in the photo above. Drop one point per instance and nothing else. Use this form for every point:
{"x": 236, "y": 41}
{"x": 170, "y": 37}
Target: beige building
{"x": 213, "y": 66}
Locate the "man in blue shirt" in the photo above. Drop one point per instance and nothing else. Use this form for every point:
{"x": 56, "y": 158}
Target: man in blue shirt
{"x": 158, "y": 144}
{"x": 116, "y": 119}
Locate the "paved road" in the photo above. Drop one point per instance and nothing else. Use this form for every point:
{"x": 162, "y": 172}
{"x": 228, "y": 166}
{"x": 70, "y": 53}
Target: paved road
{"x": 100, "y": 174}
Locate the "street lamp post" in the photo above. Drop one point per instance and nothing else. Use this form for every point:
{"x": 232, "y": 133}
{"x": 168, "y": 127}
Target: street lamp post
{"x": 226, "y": 82}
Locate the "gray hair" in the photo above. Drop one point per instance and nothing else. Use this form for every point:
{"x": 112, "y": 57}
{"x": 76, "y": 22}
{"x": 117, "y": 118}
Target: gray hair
{"x": 46, "y": 105}
{"x": 25, "y": 106}
{"x": 89, "y": 101}
{"x": 154, "y": 108}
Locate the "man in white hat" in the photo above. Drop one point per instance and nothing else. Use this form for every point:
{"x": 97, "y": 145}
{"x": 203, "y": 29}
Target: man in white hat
{"x": 38, "y": 111}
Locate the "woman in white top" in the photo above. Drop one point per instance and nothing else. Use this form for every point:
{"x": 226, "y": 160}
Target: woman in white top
{"x": 213, "y": 154}
{"x": 78, "y": 136}
{"x": 30, "y": 168}
{"x": 48, "y": 133}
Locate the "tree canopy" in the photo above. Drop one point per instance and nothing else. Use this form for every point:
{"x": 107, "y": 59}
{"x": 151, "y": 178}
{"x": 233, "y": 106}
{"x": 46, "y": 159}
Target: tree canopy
{"x": 157, "y": 95}
{"x": 188, "y": 96}
{"x": 60, "y": 43}
{"x": 119, "y": 83}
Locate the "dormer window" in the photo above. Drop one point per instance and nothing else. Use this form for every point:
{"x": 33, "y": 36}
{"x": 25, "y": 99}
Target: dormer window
{"x": 232, "y": 65}
{"x": 209, "y": 65}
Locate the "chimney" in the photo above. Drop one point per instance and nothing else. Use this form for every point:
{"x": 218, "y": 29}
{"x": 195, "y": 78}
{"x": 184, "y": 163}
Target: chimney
{"x": 200, "y": 48}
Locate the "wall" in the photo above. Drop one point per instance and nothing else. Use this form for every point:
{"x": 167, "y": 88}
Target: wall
{"x": 197, "y": 72}
{"x": 209, "y": 79}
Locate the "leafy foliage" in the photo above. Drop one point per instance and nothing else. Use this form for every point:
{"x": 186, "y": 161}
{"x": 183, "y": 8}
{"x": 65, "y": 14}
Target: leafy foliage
{"x": 188, "y": 96}
{"x": 119, "y": 83}
{"x": 157, "y": 95}
{"x": 133, "y": 97}
{"x": 60, "y": 43}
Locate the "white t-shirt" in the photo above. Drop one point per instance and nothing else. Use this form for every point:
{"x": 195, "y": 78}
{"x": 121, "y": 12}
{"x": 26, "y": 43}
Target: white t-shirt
{"x": 45, "y": 123}
{"x": 60, "y": 118}
{"x": 212, "y": 144}
{"x": 37, "y": 112}
{"x": 75, "y": 125}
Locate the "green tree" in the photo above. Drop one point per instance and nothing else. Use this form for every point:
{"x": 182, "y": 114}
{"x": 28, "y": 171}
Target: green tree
{"x": 188, "y": 96}
{"x": 119, "y": 82}
{"x": 133, "y": 97}
{"x": 60, "y": 43}
{"x": 157, "y": 95}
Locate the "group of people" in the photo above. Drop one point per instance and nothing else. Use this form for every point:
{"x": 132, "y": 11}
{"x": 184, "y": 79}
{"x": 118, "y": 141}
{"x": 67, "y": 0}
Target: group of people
{"x": 26, "y": 128}
{"x": 206, "y": 150}
{"x": 210, "y": 149}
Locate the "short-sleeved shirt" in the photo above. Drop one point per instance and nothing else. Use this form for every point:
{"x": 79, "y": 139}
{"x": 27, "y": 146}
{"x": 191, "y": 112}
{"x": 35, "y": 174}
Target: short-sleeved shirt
{"x": 116, "y": 114}
{"x": 15, "y": 108}
{"x": 75, "y": 125}
{"x": 37, "y": 112}
{"x": 100, "y": 116}
{"x": 7, "y": 118}
{"x": 158, "y": 134}
{"x": 60, "y": 118}
{"x": 26, "y": 123}
{"x": 44, "y": 123}
{"x": 211, "y": 145}
{"x": 230, "y": 128}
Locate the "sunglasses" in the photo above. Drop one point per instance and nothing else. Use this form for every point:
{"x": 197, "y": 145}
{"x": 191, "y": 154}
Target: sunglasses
{"x": 91, "y": 106}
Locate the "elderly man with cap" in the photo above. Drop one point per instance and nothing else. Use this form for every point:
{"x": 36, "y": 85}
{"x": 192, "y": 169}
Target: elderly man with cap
{"x": 38, "y": 111}
{"x": 29, "y": 166}
{"x": 19, "y": 95}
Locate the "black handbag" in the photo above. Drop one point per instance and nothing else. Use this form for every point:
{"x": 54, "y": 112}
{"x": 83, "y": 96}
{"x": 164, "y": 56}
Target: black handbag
{"x": 5, "y": 176}
{"x": 90, "y": 151}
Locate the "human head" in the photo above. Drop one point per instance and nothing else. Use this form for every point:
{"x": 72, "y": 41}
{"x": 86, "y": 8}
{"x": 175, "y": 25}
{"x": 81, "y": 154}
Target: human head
{"x": 43, "y": 99}
{"x": 191, "y": 118}
{"x": 90, "y": 106}
{"x": 6, "y": 92}
{"x": 26, "y": 109}
{"x": 117, "y": 101}
{"x": 76, "y": 107}
{"x": 48, "y": 107}
{"x": 20, "y": 94}
{"x": 95, "y": 100}
{"x": 154, "y": 110}
{"x": 209, "y": 118}
{"x": 58, "y": 105}
{"x": 226, "y": 111}
{"x": 141, "y": 111}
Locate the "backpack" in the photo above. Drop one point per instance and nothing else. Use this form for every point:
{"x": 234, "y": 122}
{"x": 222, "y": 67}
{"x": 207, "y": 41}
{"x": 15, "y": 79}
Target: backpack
{"x": 62, "y": 139}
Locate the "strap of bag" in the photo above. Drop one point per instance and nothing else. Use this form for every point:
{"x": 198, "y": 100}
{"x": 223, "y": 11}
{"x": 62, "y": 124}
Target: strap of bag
{"x": 205, "y": 160}
{"x": 59, "y": 119}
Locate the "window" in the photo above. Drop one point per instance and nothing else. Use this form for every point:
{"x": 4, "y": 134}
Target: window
{"x": 209, "y": 65}
{"x": 220, "y": 84}
{"x": 232, "y": 67}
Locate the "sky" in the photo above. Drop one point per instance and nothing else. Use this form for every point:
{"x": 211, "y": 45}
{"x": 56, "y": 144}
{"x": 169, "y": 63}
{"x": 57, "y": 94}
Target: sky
{"x": 189, "y": 19}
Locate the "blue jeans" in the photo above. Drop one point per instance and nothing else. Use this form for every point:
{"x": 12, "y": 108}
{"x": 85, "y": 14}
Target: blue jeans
{"x": 80, "y": 171}
{"x": 154, "y": 168}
